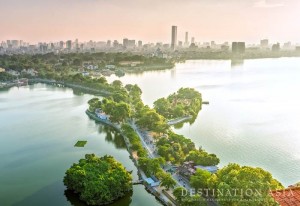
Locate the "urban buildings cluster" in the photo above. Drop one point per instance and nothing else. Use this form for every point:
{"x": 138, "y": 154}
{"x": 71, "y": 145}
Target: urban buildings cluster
{"x": 22, "y": 47}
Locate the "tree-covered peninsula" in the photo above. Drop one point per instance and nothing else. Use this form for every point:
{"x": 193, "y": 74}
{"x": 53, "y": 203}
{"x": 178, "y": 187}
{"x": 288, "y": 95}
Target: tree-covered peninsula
{"x": 98, "y": 180}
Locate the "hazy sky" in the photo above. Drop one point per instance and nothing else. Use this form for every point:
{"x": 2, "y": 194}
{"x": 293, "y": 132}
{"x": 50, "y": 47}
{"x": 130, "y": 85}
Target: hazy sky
{"x": 150, "y": 20}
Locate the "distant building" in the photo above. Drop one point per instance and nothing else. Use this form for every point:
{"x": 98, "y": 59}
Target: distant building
{"x": 187, "y": 169}
{"x": 264, "y": 43}
{"x": 131, "y": 43}
{"x": 13, "y": 72}
{"x": 224, "y": 47}
{"x": 186, "y": 42}
{"x": 238, "y": 47}
{"x": 174, "y": 37}
{"x": 61, "y": 44}
{"x": 297, "y": 48}
{"x": 125, "y": 42}
{"x": 140, "y": 43}
{"x": 108, "y": 43}
{"x": 212, "y": 44}
{"x": 110, "y": 66}
{"x": 192, "y": 40}
{"x": 100, "y": 114}
{"x": 115, "y": 44}
{"x": 69, "y": 44}
{"x": 276, "y": 47}
{"x": 287, "y": 45}
{"x": 85, "y": 74}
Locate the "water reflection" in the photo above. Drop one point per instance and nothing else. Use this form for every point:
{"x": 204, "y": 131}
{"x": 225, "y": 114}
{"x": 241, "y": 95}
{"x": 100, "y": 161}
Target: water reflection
{"x": 73, "y": 199}
{"x": 237, "y": 63}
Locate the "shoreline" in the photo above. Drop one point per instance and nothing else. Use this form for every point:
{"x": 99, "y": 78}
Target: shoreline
{"x": 141, "y": 174}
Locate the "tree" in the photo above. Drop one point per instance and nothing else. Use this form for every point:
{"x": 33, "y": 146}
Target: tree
{"x": 201, "y": 157}
{"x": 244, "y": 178}
{"x": 117, "y": 84}
{"x": 120, "y": 112}
{"x": 180, "y": 193}
{"x": 167, "y": 181}
{"x": 151, "y": 166}
{"x": 200, "y": 179}
{"x": 97, "y": 180}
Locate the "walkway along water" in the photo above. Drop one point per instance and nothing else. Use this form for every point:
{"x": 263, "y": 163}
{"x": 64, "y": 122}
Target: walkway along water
{"x": 153, "y": 190}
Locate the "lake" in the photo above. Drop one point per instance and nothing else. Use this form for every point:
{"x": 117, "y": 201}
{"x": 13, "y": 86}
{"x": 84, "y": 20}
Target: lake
{"x": 39, "y": 126}
{"x": 253, "y": 116}
{"x": 252, "y": 119}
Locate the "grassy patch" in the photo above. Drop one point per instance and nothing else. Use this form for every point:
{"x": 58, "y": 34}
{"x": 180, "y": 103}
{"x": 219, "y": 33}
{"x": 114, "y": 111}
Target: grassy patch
{"x": 80, "y": 144}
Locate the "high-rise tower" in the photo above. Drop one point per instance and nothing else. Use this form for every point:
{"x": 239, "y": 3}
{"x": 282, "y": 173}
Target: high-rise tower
{"x": 174, "y": 37}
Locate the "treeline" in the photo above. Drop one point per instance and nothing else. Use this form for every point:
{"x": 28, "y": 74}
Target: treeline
{"x": 51, "y": 65}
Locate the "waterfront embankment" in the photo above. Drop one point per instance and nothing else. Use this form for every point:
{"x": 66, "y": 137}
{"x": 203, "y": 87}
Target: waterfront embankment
{"x": 154, "y": 191}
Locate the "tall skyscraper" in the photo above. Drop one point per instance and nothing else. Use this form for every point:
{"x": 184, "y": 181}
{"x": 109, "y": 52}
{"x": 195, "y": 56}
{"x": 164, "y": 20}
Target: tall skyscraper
{"x": 186, "y": 42}
{"x": 238, "y": 47}
{"x": 174, "y": 37}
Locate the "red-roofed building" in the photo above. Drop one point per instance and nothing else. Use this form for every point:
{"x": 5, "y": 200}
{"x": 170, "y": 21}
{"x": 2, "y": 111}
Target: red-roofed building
{"x": 287, "y": 197}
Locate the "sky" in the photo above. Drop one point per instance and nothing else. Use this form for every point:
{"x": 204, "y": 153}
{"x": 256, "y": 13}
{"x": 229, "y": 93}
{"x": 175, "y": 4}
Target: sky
{"x": 150, "y": 20}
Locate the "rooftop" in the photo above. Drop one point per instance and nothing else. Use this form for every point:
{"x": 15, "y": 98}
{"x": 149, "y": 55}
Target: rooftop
{"x": 287, "y": 197}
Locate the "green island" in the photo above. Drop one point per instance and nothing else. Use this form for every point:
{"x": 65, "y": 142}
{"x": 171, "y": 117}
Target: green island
{"x": 185, "y": 102}
{"x": 98, "y": 180}
{"x": 80, "y": 144}
{"x": 125, "y": 109}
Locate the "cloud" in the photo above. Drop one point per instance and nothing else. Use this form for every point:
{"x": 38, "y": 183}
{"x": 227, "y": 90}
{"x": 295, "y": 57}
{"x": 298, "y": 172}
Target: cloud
{"x": 268, "y": 4}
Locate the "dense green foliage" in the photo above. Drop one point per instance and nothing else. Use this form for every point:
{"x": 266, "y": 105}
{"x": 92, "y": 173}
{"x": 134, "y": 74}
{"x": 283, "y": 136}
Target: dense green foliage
{"x": 201, "y": 157}
{"x": 151, "y": 120}
{"x": 55, "y": 66}
{"x": 151, "y": 166}
{"x": 177, "y": 149}
{"x": 200, "y": 179}
{"x": 167, "y": 181}
{"x": 245, "y": 178}
{"x": 134, "y": 140}
{"x": 186, "y": 101}
{"x": 98, "y": 180}
{"x": 174, "y": 147}
{"x": 6, "y": 77}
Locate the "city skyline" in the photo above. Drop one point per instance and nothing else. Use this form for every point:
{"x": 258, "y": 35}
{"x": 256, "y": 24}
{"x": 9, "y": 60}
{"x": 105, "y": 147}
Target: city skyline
{"x": 230, "y": 20}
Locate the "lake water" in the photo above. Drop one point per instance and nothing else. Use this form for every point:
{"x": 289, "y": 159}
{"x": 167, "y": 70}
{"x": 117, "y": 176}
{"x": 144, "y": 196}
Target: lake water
{"x": 39, "y": 126}
{"x": 253, "y": 116}
{"x": 252, "y": 119}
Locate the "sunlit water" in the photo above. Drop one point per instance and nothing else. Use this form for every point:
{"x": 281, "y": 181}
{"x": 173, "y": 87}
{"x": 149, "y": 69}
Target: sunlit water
{"x": 39, "y": 126}
{"x": 254, "y": 112}
{"x": 252, "y": 119}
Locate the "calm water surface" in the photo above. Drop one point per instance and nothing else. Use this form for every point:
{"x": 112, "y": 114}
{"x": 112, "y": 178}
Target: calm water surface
{"x": 254, "y": 113}
{"x": 253, "y": 119}
{"x": 38, "y": 127}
